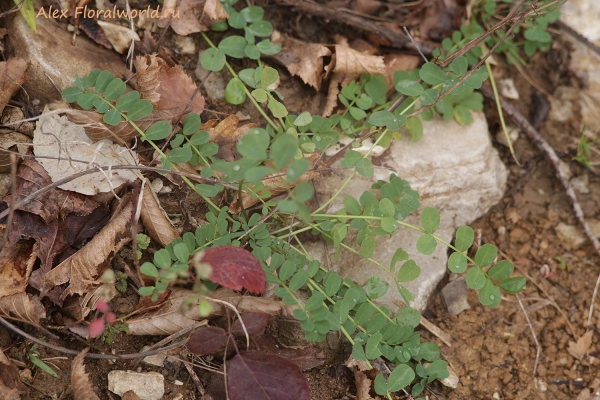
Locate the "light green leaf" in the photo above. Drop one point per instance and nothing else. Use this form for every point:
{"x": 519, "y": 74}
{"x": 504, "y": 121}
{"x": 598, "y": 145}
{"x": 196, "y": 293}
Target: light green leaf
{"x": 457, "y": 263}
{"x": 367, "y": 247}
{"x": 460, "y": 65}
{"x": 213, "y": 59}
{"x": 486, "y": 255}
{"x": 400, "y": 377}
{"x": 409, "y": 88}
{"x": 127, "y": 100}
{"x": 409, "y": 271}
{"x": 139, "y": 110}
{"x": 303, "y": 119}
{"x": 268, "y": 77}
{"x": 430, "y": 219}
{"x": 233, "y": 46}
{"x": 115, "y": 89}
{"x": 278, "y": 109}
{"x": 158, "y": 131}
{"x": 260, "y": 95}
{"x": 475, "y": 278}
{"x": 489, "y": 295}
{"x": 464, "y": 238}
{"x": 426, "y": 244}
{"x": 513, "y": 285}
{"x": 432, "y": 74}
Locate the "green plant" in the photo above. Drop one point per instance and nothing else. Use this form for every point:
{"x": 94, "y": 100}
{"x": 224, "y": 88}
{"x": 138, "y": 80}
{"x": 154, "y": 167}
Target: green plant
{"x": 121, "y": 282}
{"x": 584, "y": 151}
{"x": 28, "y": 12}
{"x": 34, "y": 356}
{"x": 143, "y": 241}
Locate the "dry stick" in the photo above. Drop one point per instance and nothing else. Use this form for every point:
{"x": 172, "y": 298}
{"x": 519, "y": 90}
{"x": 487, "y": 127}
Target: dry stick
{"x": 190, "y": 370}
{"x": 396, "y": 39}
{"x": 539, "y": 348}
{"x": 550, "y": 154}
{"x": 89, "y": 355}
{"x": 164, "y": 341}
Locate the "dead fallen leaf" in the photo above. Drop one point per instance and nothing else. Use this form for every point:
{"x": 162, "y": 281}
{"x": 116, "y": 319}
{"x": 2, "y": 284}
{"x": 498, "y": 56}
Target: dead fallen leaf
{"x": 155, "y": 219}
{"x": 275, "y": 184}
{"x": 12, "y": 75}
{"x": 363, "y": 385}
{"x": 16, "y": 264}
{"x": 366, "y": 6}
{"x": 82, "y": 388}
{"x": 190, "y": 16}
{"x": 332, "y": 94}
{"x": 56, "y": 136}
{"x": 226, "y": 134}
{"x": 14, "y": 118}
{"x": 303, "y": 59}
{"x": 83, "y": 268}
{"x": 11, "y": 387}
{"x": 167, "y": 88}
{"x": 306, "y": 358}
{"x": 13, "y": 141}
{"x": 23, "y": 307}
{"x": 93, "y": 30}
{"x": 79, "y": 307}
{"x": 350, "y": 61}
{"x": 120, "y": 37}
{"x": 398, "y": 62}
{"x": 580, "y": 349}
{"x": 96, "y": 130}
{"x": 248, "y": 304}
{"x": 130, "y": 395}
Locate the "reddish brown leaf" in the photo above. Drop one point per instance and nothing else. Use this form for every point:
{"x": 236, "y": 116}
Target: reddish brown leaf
{"x": 580, "y": 349}
{"x": 23, "y": 307}
{"x": 169, "y": 89}
{"x": 255, "y": 375}
{"x": 235, "y": 268}
{"x": 12, "y": 75}
{"x": 16, "y": 264}
{"x": 155, "y": 218}
{"x": 11, "y": 387}
{"x": 255, "y": 323}
{"x": 306, "y": 357}
{"x": 82, "y": 388}
{"x": 206, "y": 340}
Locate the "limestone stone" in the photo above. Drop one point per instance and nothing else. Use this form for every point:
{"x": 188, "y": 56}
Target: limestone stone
{"x": 147, "y": 385}
{"x": 455, "y": 296}
{"x": 53, "y": 58}
{"x": 454, "y": 168}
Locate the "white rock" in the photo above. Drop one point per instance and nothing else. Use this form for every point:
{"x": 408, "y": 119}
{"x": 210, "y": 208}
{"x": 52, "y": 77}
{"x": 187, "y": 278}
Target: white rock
{"x": 570, "y": 234}
{"x": 156, "y": 359}
{"x": 513, "y": 134}
{"x": 186, "y": 44}
{"x": 455, "y": 296}
{"x": 508, "y": 89}
{"x": 454, "y": 168}
{"x": 147, "y": 385}
{"x": 583, "y": 16}
{"x": 580, "y": 183}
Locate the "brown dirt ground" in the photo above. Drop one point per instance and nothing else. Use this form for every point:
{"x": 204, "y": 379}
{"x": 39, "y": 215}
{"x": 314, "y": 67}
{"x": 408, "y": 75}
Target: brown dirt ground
{"x": 493, "y": 350}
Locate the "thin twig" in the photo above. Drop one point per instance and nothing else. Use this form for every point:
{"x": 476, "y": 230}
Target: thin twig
{"x": 195, "y": 378}
{"x": 90, "y": 355}
{"x": 415, "y": 43}
{"x": 539, "y": 348}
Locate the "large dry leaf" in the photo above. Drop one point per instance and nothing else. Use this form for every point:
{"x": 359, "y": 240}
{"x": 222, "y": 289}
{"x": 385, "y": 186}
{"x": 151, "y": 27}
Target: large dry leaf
{"x": 16, "y": 264}
{"x": 83, "y": 268}
{"x": 189, "y": 16}
{"x": 167, "y": 88}
{"x": 79, "y": 307}
{"x": 155, "y": 218}
{"x": 23, "y": 307}
{"x": 97, "y": 130}
{"x": 11, "y": 387}
{"x": 275, "y": 184}
{"x": 303, "y": 59}
{"x": 120, "y": 37}
{"x": 332, "y": 93}
{"x": 580, "y": 349}
{"x": 12, "y": 75}
{"x": 350, "y": 61}
{"x": 179, "y": 312}
{"x": 56, "y": 136}
{"x": 82, "y": 388}
{"x": 226, "y": 134}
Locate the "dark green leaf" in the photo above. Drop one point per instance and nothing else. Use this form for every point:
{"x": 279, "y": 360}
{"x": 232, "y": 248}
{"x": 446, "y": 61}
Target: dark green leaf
{"x": 430, "y": 219}
{"x": 104, "y": 78}
{"x": 371, "y": 348}
{"x": 409, "y": 271}
{"x": 115, "y": 89}
{"x": 158, "y": 131}
{"x": 489, "y": 294}
{"x": 127, "y": 100}
{"x": 112, "y": 117}
{"x": 333, "y": 282}
{"x": 86, "y": 100}
{"x": 180, "y": 155}
{"x": 252, "y": 13}
{"x": 380, "y": 385}
{"x": 149, "y": 269}
{"x": 426, "y": 244}
{"x": 389, "y": 224}
{"x": 400, "y": 377}
{"x": 71, "y": 94}
{"x": 233, "y": 46}
{"x": 208, "y": 190}
{"x": 513, "y": 285}
{"x": 261, "y": 28}
{"x": 192, "y": 124}
{"x": 267, "y": 48}
{"x": 283, "y": 150}
{"x": 460, "y": 65}
{"x": 432, "y": 74}
{"x": 139, "y": 110}
{"x": 501, "y": 270}
{"x": 364, "y": 313}
{"x": 486, "y": 255}
{"x": 278, "y": 109}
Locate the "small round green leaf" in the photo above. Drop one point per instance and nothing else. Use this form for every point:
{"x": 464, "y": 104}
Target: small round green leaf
{"x": 409, "y": 271}
{"x": 333, "y": 282}
{"x": 268, "y": 77}
{"x": 102, "y": 81}
{"x": 192, "y": 124}
{"x": 149, "y": 269}
{"x": 303, "y": 119}
{"x": 389, "y": 224}
{"x": 252, "y": 13}
{"x": 486, "y": 255}
{"x": 430, "y": 219}
{"x": 464, "y": 238}
{"x": 112, "y": 117}
{"x": 513, "y": 285}
{"x": 426, "y": 244}
{"x": 260, "y": 95}
{"x": 475, "y": 278}
{"x": 213, "y": 59}
{"x": 261, "y": 28}
{"x": 127, "y": 100}
{"x": 460, "y": 65}
{"x": 115, "y": 89}
{"x": 400, "y": 377}
{"x": 267, "y": 48}
{"x": 208, "y": 190}
{"x": 501, "y": 270}
{"x": 489, "y": 294}
{"x": 457, "y": 263}
{"x": 158, "y": 131}
{"x": 86, "y": 100}
{"x": 180, "y": 155}
{"x": 387, "y": 208}
{"x": 233, "y": 46}
{"x": 432, "y": 74}
{"x": 234, "y": 92}
{"x": 278, "y": 109}
{"x": 409, "y": 88}
{"x": 380, "y": 118}
{"x": 352, "y": 205}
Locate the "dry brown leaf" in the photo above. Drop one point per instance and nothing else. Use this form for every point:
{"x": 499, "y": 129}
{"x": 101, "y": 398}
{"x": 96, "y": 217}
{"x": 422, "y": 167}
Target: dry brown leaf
{"x": 11, "y": 387}
{"x": 23, "y": 307}
{"x": 13, "y": 141}
{"x": 226, "y": 134}
{"x": 130, "y": 395}
{"x": 580, "y": 349}
{"x": 96, "y": 130}
{"x": 366, "y": 6}
{"x": 79, "y": 307}
{"x": 332, "y": 94}
{"x": 167, "y": 88}
{"x": 363, "y": 386}
{"x": 350, "y": 61}
{"x": 91, "y": 28}
{"x": 155, "y": 219}
{"x": 82, "y": 388}
{"x": 16, "y": 264}
{"x": 178, "y": 312}
{"x": 83, "y": 267}
{"x": 303, "y": 59}
{"x": 398, "y": 62}
{"x": 189, "y": 16}
{"x": 275, "y": 184}
{"x": 14, "y": 118}
{"x": 12, "y": 75}
{"x": 120, "y": 37}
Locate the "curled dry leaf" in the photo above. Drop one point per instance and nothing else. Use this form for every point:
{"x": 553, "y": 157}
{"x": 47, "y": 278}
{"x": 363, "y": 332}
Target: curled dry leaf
{"x": 180, "y": 310}
{"x": 14, "y": 118}
{"x": 580, "y": 349}
{"x": 23, "y": 307}
{"x": 120, "y": 37}
{"x": 190, "y": 16}
{"x": 91, "y": 28}
{"x": 83, "y": 267}
{"x": 275, "y": 184}
{"x": 11, "y": 387}
{"x": 79, "y": 307}
{"x": 13, "y": 141}
{"x": 303, "y": 59}
{"x": 16, "y": 264}
{"x": 155, "y": 219}
{"x": 167, "y": 88}
{"x": 337, "y": 80}
{"x": 12, "y": 75}
{"x": 350, "y": 61}
{"x": 57, "y": 136}
{"x": 235, "y": 268}
{"x": 96, "y": 130}
{"x": 82, "y": 388}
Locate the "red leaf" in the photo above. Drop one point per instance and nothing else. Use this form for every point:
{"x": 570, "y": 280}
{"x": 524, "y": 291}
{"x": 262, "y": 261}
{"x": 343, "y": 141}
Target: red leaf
{"x": 97, "y": 327}
{"x": 255, "y": 375}
{"x": 235, "y": 268}
{"x": 207, "y": 340}
{"x": 255, "y": 323}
